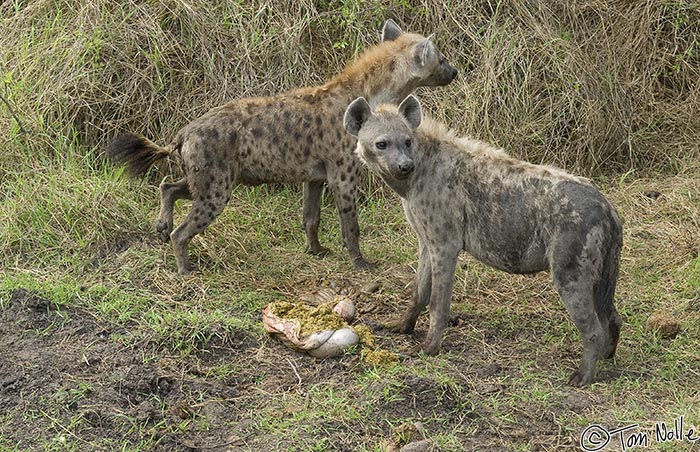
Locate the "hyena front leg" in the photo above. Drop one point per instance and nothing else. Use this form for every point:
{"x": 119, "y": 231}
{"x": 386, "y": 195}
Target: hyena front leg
{"x": 421, "y": 294}
{"x": 344, "y": 187}
{"x": 312, "y": 217}
{"x": 169, "y": 193}
{"x": 443, "y": 261}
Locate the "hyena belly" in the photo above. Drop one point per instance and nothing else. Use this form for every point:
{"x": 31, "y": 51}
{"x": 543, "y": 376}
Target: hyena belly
{"x": 506, "y": 228}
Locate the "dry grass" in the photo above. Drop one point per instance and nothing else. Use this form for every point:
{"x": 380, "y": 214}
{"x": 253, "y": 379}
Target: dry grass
{"x": 602, "y": 88}
{"x": 592, "y": 86}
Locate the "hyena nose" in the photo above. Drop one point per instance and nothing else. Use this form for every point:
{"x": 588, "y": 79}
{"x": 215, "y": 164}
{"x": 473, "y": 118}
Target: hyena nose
{"x": 454, "y": 73}
{"x": 407, "y": 167}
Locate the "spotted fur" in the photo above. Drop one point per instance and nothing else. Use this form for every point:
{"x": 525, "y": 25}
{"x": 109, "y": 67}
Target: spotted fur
{"x": 296, "y": 136}
{"x": 460, "y": 194}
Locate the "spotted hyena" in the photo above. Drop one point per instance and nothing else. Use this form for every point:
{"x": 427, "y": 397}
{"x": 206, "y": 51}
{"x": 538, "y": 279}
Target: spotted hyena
{"x": 462, "y": 194}
{"x": 296, "y": 136}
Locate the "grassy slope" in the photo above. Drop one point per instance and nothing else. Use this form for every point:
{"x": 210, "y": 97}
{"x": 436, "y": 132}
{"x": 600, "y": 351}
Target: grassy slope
{"x": 81, "y": 234}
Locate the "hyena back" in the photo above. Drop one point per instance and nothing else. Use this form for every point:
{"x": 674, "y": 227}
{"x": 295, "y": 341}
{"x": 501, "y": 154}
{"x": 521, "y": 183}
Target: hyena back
{"x": 461, "y": 194}
{"x": 296, "y": 136}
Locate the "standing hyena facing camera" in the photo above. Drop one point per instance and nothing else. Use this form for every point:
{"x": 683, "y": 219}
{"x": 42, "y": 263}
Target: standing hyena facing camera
{"x": 296, "y": 136}
{"x": 461, "y": 194}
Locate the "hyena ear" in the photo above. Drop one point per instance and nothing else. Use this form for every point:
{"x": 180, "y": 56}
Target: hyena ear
{"x": 410, "y": 110}
{"x": 390, "y": 31}
{"x": 356, "y": 115}
{"x": 427, "y": 50}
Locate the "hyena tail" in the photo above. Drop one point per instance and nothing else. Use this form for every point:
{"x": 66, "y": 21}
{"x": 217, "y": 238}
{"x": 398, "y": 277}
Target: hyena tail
{"x": 605, "y": 289}
{"x": 136, "y": 152}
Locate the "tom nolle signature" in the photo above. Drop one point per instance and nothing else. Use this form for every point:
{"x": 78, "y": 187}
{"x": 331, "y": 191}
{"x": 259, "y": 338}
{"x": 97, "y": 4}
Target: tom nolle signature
{"x": 595, "y": 437}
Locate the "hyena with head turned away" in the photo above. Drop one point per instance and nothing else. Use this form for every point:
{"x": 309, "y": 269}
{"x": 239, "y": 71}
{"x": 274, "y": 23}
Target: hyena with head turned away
{"x": 296, "y": 136}
{"x": 462, "y": 194}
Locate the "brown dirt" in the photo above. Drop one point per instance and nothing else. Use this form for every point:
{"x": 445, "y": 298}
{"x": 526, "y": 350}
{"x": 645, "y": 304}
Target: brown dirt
{"x": 63, "y": 358}
{"x": 65, "y": 374}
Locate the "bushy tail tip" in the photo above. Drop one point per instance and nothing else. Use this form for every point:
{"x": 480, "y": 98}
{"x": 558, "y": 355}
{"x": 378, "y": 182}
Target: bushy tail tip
{"x": 136, "y": 152}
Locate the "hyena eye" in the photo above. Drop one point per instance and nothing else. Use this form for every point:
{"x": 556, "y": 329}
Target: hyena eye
{"x": 408, "y": 143}
{"x": 380, "y": 144}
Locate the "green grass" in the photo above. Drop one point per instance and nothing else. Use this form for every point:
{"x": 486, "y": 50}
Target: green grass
{"x": 254, "y": 255}
{"x": 78, "y": 234}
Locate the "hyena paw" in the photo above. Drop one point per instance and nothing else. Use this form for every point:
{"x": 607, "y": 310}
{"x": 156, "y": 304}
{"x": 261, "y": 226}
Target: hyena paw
{"x": 361, "y": 264}
{"x": 184, "y": 269}
{"x": 163, "y": 228}
{"x": 431, "y": 347}
{"x": 318, "y": 250}
{"x": 399, "y": 326}
{"x": 579, "y": 379}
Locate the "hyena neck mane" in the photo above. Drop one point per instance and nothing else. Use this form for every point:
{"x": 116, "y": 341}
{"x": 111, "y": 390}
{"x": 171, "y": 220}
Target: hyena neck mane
{"x": 477, "y": 159}
{"x": 380, "y": 74}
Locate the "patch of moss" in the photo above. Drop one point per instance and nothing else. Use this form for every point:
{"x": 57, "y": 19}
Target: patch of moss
{"x": 366, "y": 337}
{"x": 311, "y": 318}
{"x": 379, "y": 357}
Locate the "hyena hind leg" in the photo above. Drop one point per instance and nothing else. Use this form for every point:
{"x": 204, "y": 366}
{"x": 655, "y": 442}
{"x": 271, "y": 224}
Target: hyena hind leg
{"x": 169, "y": 193}
{"x": 581, "y": 309}
{"x": 598, "y": 335}
{"x": 205, "y": 209}
{"x": 614, "y": 325}
{"x": 345, "y": 200}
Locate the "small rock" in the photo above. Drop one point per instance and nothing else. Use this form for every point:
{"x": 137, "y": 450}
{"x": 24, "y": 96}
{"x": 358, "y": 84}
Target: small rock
{"x": 9, "y": 381}
{"x": 518, "y": 433}
{"x": 408, "y": 433}
{"x": 487, "y": 388}
{"x": 424, "y": 445}
{"x": 665, "y": 324}
{"x": 489, "y": 370}
{"x": 576, "y": 402}
{"x": 370, "y": 287}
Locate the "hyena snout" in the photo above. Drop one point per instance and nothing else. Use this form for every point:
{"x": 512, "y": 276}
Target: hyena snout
{"x": 406, "y": 168}
{"x": 402, "y": 168}
{"x": 445, "y": 75}
{"x": 451, "y": 73}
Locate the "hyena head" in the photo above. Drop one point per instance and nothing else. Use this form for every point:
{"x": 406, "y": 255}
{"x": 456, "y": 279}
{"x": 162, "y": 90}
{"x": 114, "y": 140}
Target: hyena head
{"x": 385, "y": 141}
{"x": 418, "y": 63}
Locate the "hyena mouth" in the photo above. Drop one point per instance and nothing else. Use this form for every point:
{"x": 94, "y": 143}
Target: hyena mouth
{"x": 404, "y": 170}
{"x": 401, "y": 175}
